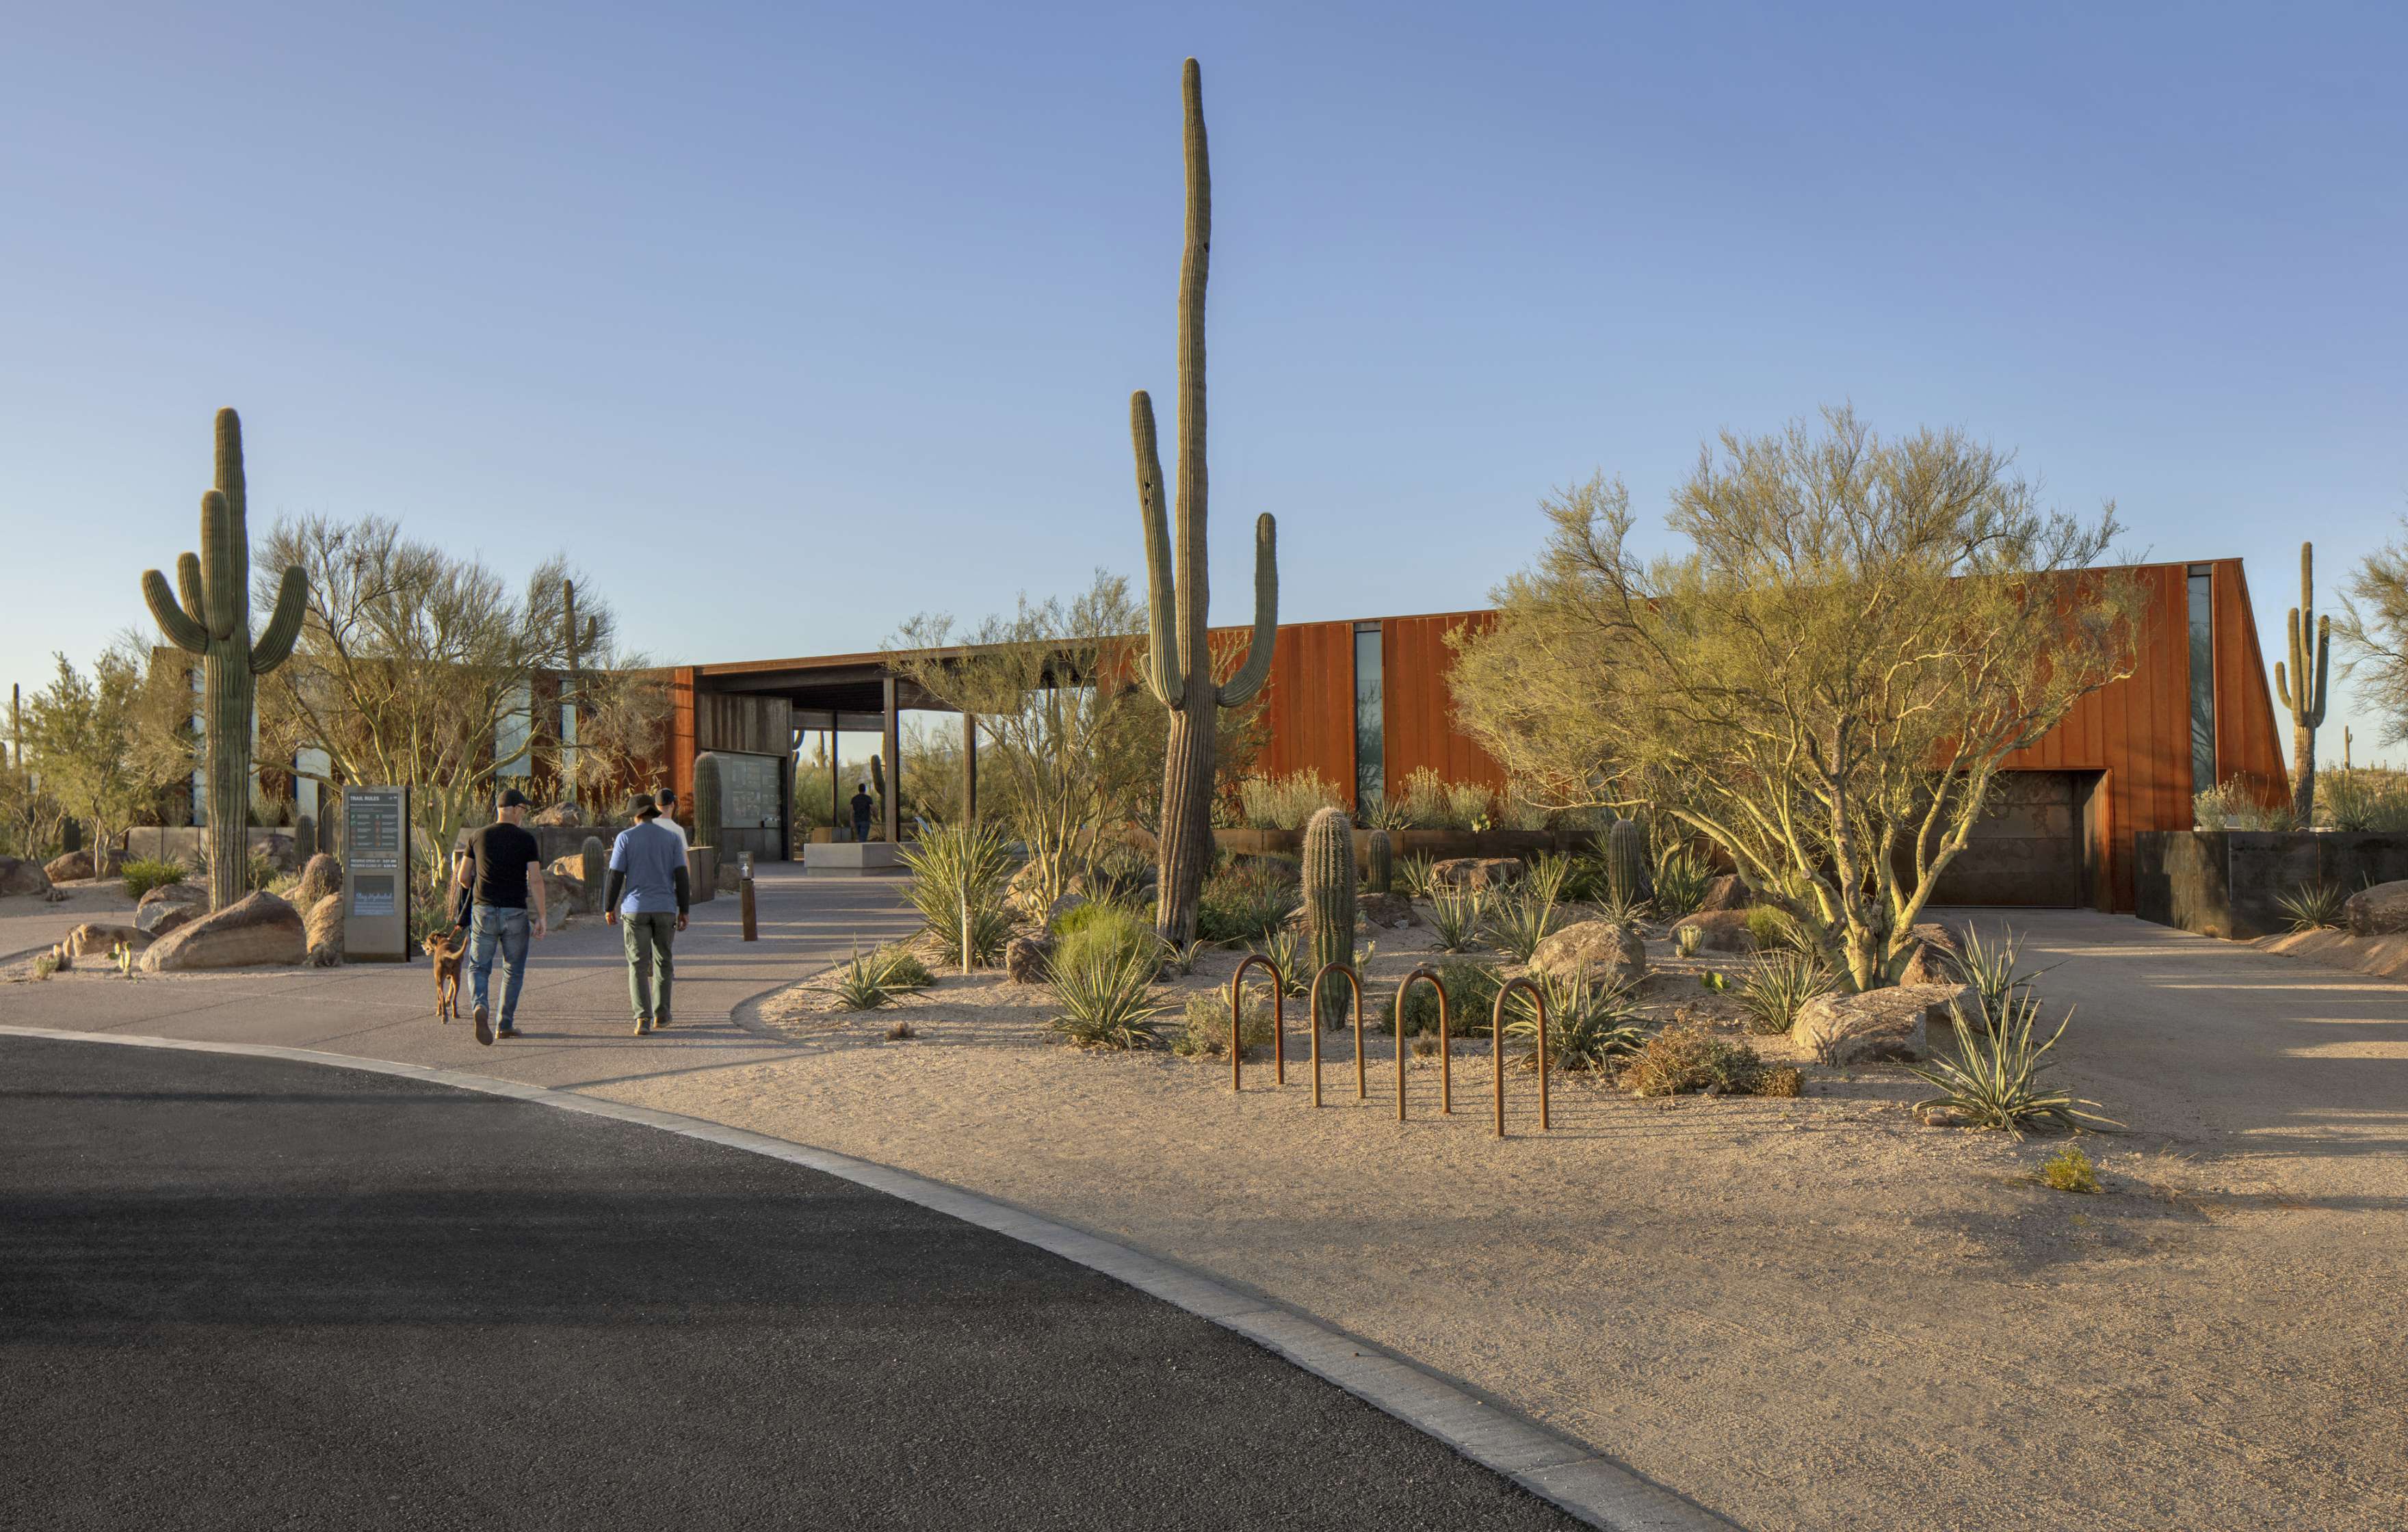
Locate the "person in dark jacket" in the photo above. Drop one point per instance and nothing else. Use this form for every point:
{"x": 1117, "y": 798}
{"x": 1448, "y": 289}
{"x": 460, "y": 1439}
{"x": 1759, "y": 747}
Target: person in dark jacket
{"x": 862, "y": 804}
{"x": 646, "y": 893}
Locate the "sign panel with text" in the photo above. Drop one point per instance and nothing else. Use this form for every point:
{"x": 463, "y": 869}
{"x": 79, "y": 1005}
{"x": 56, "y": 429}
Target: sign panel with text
{"x": 376, "y": 874}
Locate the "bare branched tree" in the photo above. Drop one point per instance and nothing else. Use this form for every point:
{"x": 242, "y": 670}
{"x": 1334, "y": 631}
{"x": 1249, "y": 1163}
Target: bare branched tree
{"x": 1824, "y": 683}
{"x": 2374, "y": 634}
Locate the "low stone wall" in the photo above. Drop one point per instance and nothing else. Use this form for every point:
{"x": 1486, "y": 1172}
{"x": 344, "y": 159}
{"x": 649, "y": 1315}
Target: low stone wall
{"x": 2229, "y": 882}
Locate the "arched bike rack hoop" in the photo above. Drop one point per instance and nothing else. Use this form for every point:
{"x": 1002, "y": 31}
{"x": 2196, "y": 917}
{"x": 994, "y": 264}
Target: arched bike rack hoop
{"x": 1355, "y": 980}
{"x": 1496, "y": 1046}
{"x": 1238, "y": 1021}
{"x": 1445, "y": 1052}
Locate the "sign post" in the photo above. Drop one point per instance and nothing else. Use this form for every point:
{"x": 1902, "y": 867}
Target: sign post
{"x": 376, "y": 874}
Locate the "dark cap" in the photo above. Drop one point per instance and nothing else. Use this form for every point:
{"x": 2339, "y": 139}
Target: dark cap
{"x": 668, "y": 798}
{"x": 510, "y": 798}
{"x": 642, "y": 806}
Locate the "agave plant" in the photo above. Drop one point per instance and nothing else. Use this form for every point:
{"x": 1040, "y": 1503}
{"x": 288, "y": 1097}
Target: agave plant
{"x": 1455, "y": 915}
{"x": 1619, "y": 909}
{"x": 1993, "y": 966}
{"x": 1414, "y": 873}
{"x": 1681, "y": 880}
{"x": 1106, "y": 995}
{"x": 1286, "y": 949}
{"x": 1546, "y": 876}
{"x": 1588, "y": 1024}
{"x": 861, "y": 984}
{"x": 1777, "y": 986}
{"x": 2313, "y": 907}
{"x": 1994, "y": 1082}
{"x": 1521, "y": 919}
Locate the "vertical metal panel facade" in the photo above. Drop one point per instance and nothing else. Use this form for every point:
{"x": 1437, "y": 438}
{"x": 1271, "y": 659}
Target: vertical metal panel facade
{"x": 1419, "y": 711}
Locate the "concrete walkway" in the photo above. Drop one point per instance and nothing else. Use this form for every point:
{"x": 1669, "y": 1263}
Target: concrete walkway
{"x": 573, "y": 1013}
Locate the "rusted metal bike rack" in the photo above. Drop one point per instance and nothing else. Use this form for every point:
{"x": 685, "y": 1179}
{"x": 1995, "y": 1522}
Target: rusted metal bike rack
{"x": 1497, "y": 1045}
{"x": 1237, "y": 1022}
{"x": 1445, "y": 1053}
{"x": 1356, "y": 980}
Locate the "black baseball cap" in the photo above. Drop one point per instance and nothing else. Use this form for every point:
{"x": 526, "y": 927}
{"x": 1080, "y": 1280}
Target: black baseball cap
{"x": 510, "y": 798}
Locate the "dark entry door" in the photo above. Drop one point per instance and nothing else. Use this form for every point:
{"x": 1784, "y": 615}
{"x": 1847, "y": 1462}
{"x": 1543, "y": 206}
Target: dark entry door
{"x": 2028, "y": 848}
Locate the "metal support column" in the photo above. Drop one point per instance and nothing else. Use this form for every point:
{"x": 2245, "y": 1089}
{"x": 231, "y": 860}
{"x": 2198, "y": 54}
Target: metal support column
{"x": 893, "y": 730}
{"x": 969, "y": 768}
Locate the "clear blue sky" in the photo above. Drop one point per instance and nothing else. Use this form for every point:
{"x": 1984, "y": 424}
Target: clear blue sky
{"x": 789, "y": 321}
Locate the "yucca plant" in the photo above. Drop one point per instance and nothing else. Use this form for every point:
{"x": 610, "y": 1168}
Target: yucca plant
{"x": 1518, "y": 921}
{"x": 1681, "y": 880}
{"x": 959, "y": 873}
{"x": 1455, "y": 915}
{"x": 1777, "y": 986}
{"x": 1994, "y": 1082}
{"x": 861, "y": 984}
{"x": 1588, "y": 1024}
{"x": 2313, "y": 907}
{"x": 1286, "y": 949}
{"x": 1105, "y": 994}
{"x": 1546, "y": 876}
{"x": 1993, "y": 966}
{"x": 1414, "y": 875}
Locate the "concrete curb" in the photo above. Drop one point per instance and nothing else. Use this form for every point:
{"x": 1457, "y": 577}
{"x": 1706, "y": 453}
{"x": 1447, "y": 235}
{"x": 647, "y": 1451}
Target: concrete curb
{"x": 1592, "y": 1487}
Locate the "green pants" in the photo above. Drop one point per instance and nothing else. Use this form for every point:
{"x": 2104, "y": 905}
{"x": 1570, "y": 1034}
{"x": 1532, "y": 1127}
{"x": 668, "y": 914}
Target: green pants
{"x": 649, "y": 968}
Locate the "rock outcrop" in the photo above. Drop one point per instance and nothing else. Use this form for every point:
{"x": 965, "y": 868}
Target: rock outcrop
{"x": 1884, "y": 1023}
{"x": 19, "y": 876}
{"x": 251, "y": 932}
{"x": 2381, "y": 910}
{"x": 1602, "y": 950}
{"x": 322, "y": 928}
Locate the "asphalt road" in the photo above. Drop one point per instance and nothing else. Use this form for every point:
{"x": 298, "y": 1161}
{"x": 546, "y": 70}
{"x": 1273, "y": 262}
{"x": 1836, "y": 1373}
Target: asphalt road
{"x": 250, "y": 1293}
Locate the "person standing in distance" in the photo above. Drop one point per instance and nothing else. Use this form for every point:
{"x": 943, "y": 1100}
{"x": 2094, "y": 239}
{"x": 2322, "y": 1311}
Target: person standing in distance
{"x": 645, "y": 896}
{"x": 862, "y": 804}
{"x": 505, "y": 871}
{"x": 668, "y": 801}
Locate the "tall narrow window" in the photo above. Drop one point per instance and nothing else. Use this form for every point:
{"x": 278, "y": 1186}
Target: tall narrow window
{"x": 2202, "y": 678}
{"x": 1369, "y": 761}
{"x": 512, "y": 731}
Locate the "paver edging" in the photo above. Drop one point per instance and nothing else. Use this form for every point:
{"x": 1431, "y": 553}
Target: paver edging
{"x": 1594, "y": 1488}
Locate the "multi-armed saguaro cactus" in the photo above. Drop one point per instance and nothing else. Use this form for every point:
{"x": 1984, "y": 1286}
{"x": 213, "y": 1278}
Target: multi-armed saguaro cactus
{"x": 1180, "y": 669}
{"x": 1329, "y": 893}
{"x": 1626, "y": 861}
{"x": 706, "y": 800}
{"x": 1379, "y": 855}
{"x": 213, "y": 621}
{"x": 2303, "y": 695}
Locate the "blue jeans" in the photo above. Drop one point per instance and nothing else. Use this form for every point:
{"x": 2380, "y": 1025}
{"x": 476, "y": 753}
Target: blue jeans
{"x": 491, "y": 926}
{"x": 861, "y": 829}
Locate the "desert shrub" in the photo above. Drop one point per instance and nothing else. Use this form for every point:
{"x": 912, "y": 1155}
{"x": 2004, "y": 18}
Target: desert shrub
{"x": 901, "y": 1032}
{"x": 1681, "y": 879}
{"x": 899, "y": 968}
{"x": 1619, "y": 909}
{"x": 954, "y": 865}
{"x": 1777, "y": 985}
{"x": 1206, "y": 1026}
{"x": 1118, "y": 871}
{"x": 1470, "y": 1000}
{"x": 1385, "y": 813}
{"x": 1519, "y": 919}
{"x": 1584, "y": 879}
{"x": 1455, "y": 915}
{"x": 1784, "y": 1080}
{"x": 1244, "y": 901}
{"x": 1105, "y": 989}
{"x": 2314, "y": 906}
{"x": 1284, "y": 803}
{"x": 144, "y": 873}
{"x": 2363, "y": 799}
{"x": 1589, "y": 1024}
{"x": 1684, "y": 1058}
{"x": 1106, "y": 934}
{"x": 1687, "y": 940}
{"x": 1771, "y": 928}
{"x": 2071, "y": 1170}
{"x": 44, "y": 965}
{"x": 1994, "y": 1082}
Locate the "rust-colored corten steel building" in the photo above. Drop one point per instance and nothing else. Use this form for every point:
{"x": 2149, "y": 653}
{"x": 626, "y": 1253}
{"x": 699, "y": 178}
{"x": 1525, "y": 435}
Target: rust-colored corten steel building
{"x": 1365, "y": 703}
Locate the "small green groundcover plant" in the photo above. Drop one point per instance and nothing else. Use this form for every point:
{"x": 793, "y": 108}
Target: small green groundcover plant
{"x": 2071, "y": 1170}
{"x": 144, "y": 873}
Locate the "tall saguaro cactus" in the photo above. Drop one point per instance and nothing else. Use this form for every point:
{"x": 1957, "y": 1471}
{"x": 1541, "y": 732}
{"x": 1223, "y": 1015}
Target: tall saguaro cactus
{"x": 1179, "y": 672}
{"x": 2303, "y": 695}
{"x": 213, "y": 621}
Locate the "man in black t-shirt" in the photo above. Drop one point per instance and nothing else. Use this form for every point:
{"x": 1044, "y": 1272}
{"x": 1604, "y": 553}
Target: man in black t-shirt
{"x": 504, "y": 871}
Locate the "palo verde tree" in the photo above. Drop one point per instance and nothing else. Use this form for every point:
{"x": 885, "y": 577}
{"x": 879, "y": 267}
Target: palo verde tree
{"x": 2374, "y": 632}
{"x": 213, "y": 621}
{"x": 1180, "y": 667}
{"x": 1823, "y": 681}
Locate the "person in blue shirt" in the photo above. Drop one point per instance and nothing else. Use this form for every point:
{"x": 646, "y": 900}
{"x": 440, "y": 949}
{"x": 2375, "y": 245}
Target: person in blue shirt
{"x": 645, "y": 896}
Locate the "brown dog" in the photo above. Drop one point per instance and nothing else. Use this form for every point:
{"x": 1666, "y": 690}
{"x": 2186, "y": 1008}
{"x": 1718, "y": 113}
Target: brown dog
{"x": 446, "y": 973}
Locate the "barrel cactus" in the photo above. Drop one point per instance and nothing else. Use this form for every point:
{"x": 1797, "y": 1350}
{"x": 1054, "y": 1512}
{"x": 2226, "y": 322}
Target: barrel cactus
{"x": 706, "y": 820}
{"x": 1179, "y": 667}
{"x": 209, "y": 614}
{"x": 1382, "y": 857}
{"x": 1626, "y": 861}
{"x": 1329, "y": 896}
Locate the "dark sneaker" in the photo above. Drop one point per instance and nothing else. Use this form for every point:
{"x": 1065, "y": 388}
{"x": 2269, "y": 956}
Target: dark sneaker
{"x": 643, "y": 1027}
{"x": 660, "y": 1023}
{"x": 507, "y": 1031}
{"x": 484, "y": 1031}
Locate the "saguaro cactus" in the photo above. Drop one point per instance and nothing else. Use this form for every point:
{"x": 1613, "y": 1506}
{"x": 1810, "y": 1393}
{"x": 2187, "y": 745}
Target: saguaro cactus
{"x": 1626, "y": 860}
{"x": 706, "y": 800}
{"x": 1379, "y": 853}
{"x": 1180, "y": 667}
{"x": 2304, "y": 696}
{"x": 574, "y": 642}
{"x": 1329, "y": 892}
{"x": 593, "y": 868}
{"x": 213, "y": 621}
